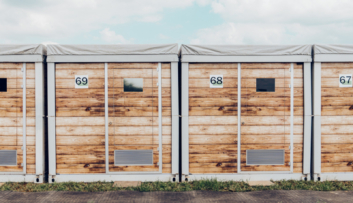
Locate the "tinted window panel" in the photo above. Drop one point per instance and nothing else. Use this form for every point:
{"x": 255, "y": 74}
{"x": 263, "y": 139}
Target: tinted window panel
{"x": 3, "y": 84}
{"x": 265, "y": 85}
{"x": 133, "y": 84}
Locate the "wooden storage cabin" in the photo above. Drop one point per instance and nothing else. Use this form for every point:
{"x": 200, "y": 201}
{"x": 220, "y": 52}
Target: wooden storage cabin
{"x": 113, "y": 112}
{"x": 246, "y": 112}
{"x": 333, "y": 112}
{"x": 22, "y": 134}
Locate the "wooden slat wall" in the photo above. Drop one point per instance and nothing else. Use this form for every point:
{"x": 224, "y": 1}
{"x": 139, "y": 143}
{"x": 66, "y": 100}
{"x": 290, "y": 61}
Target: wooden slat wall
{"x": 212, "y": 119}
{"x": 80, "y": 116}
{"x": 139, "y": 131}
{"x": 336, "y": 119}
{"x": 80, "y": 128}
{"x": 270, "y": 129}
{"x": 266, "y": 116}
{"x": 11, "y": 115}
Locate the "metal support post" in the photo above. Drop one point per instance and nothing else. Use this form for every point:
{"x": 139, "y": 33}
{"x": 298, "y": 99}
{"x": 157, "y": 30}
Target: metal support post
{"x": 185, "y": 119}
{"x": 51, "y": 122}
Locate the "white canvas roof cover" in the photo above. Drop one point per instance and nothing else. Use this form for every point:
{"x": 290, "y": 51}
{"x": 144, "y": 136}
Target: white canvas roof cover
{"x": 24, "y": 49}
{"x": 134, "y": 49}
{"x": 333, "y": 49}
{"x": 246, "y": 50}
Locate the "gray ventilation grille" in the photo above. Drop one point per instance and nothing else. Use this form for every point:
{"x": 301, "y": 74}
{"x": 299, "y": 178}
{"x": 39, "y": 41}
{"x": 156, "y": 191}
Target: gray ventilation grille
{"x": 8, "y": 157}
{"x": 265, "y": 157}
{"x": 133, "y": 157}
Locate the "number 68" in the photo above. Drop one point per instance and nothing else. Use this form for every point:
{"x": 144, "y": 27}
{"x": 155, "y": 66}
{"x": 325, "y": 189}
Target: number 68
{"x": 214, "y": 81}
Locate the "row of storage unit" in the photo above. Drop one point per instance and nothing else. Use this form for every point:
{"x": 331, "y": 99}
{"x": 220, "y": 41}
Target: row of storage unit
{"x": 160, "y": 113}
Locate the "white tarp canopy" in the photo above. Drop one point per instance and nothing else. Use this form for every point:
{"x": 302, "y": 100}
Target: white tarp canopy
{"x": 25, "y": 49}
{"x": 133, "y": 49}
{"x": 246, "y": 50}
{"x": 333, "y": 49}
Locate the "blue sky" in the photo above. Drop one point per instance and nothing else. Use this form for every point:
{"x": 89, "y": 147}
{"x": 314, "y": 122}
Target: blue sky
{"x": 176, "y": 21}
{"x": 176, "y": 26}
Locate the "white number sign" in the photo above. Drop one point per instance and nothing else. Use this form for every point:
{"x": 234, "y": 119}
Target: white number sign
{"x": 345, "y": 80}
{"x": 216, "y": 81}
{"x": 81, "y": 81}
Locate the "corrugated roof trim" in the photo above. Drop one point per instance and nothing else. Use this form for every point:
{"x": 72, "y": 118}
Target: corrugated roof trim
{"x": 333, "y": 49}
{"x": 161, "y": 49}
{"x": 24, "y": 49}
{"x": 246, "y": 50}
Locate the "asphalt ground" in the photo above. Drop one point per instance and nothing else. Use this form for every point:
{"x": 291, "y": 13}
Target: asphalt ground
{"x": 191, "y": 196}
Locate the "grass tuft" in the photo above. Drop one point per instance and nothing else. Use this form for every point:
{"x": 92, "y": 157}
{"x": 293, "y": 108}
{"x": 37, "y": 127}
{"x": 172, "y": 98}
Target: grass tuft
{"x": 210, "y": 185}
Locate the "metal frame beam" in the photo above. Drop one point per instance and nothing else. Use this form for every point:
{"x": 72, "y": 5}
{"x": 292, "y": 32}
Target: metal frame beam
{"x": 24, "y": 118}
{"x": 51, "y": 122}
{"x": 108, "y": 177}
{"x": 185, "y": 118}
{"x": 160, "y": 124}
{"x": 39, "y": 106}
{"x": 175, "y": 117}
{"x": 343, "y": 176}
{"x": 333, "y": 58}
{"x": 239, "y": 121}
{"x": 291, "y": 115}
{"x": 106, "y": 109}
{"x": 21, "y": 58}
{"x": 307, "y": 120}
{"x": 317, "y": 119}
{"x": 244, "y": 59}
{"x": 248, "y": 176}
{"x": 17, "y": 178}
{"x": 111, "y": 58}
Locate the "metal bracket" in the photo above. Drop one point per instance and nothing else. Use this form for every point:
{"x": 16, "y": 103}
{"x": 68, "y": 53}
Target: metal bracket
{"x": 21, "y": 69}
{"x": 289, "y": 146}
{"x": 158, "y": 149}
{"x": 158, "y": 164}
{"x": 289, "y": 163}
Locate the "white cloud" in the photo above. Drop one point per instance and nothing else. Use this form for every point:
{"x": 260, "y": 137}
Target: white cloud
{"x": 111, "y": 37}
{"x": 231, "y": 33}
{"x": 60, "y": 20}
{"x": 280, "y": 22}
{"x": 279, "y": 11}
{"x": 245, "y": 21}
{"x": 162, "y": 36}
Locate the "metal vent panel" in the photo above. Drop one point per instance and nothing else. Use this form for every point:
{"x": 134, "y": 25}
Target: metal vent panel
{"x": 265, "y": 157}
{"x": 8, "y": 157}
{"x": 133, "y": 157}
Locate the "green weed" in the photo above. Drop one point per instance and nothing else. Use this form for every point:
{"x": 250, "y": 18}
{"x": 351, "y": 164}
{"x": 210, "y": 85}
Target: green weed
{"x": 211, "y": 185}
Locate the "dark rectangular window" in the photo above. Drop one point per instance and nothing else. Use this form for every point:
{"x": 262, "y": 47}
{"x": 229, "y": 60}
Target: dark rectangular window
{"x": 133, "y": 84}
{"x": 265, "y": 85}
{"x": 3, "y": 84}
